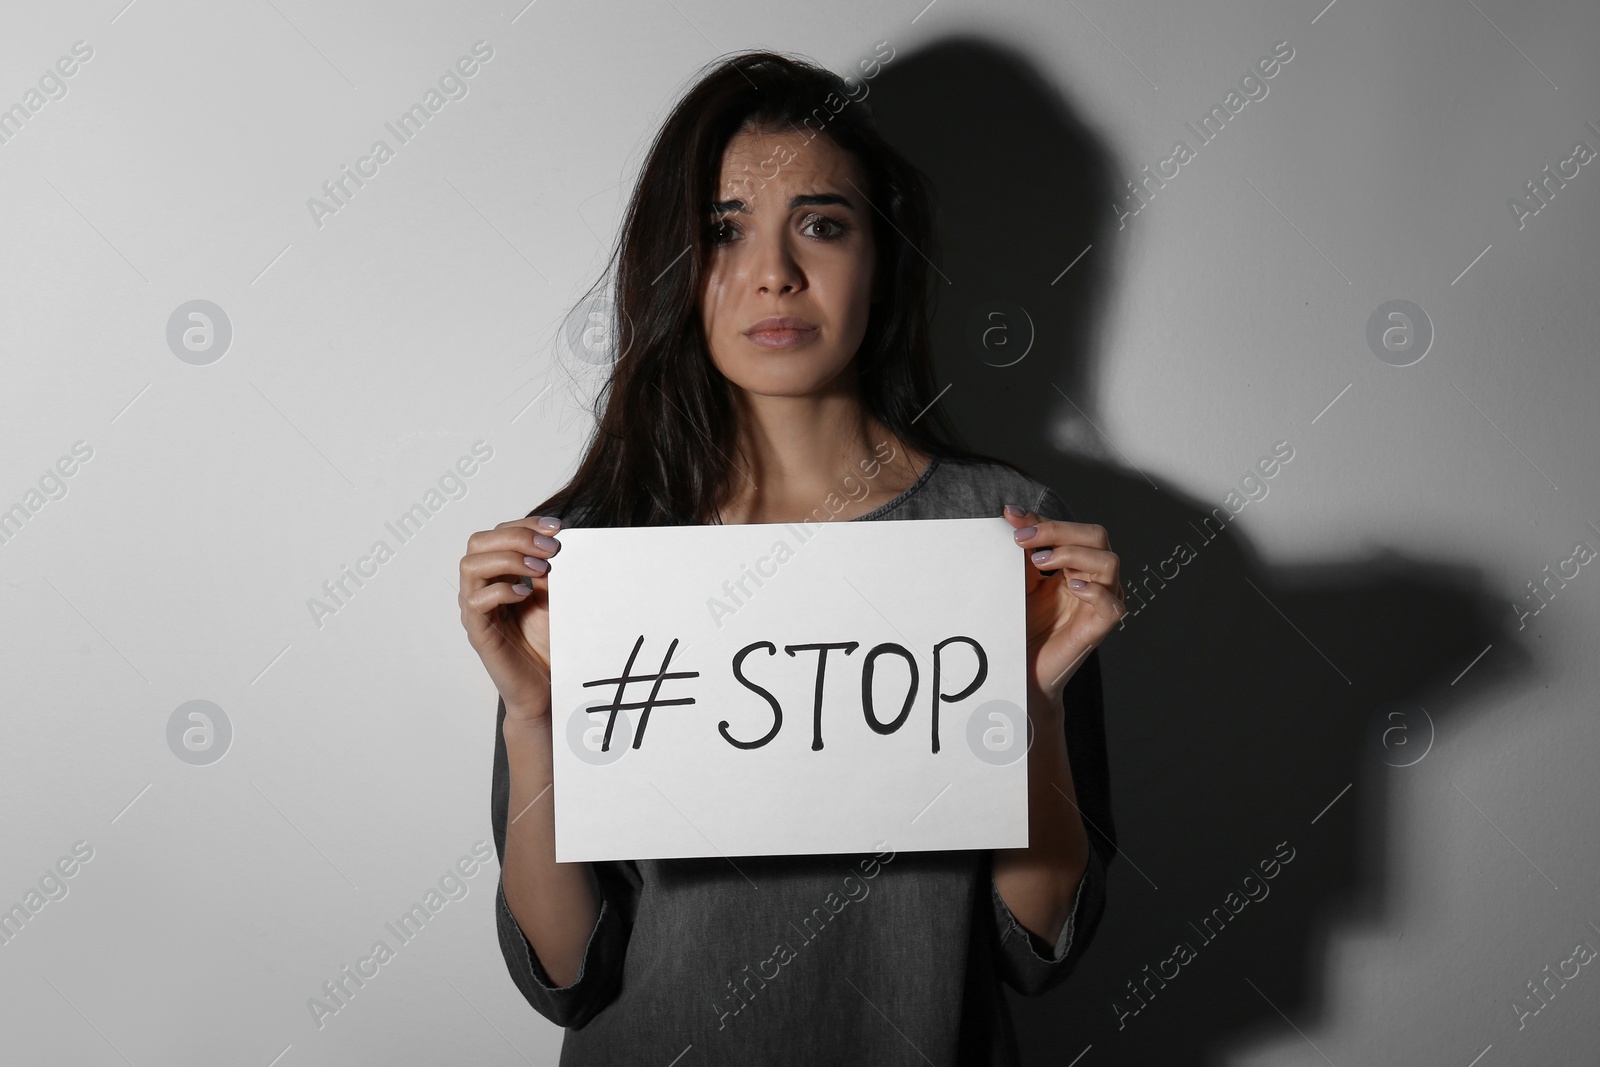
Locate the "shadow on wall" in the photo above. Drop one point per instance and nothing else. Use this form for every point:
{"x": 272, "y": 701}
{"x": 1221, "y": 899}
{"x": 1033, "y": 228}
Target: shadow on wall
{"x": 1241, "y": 699}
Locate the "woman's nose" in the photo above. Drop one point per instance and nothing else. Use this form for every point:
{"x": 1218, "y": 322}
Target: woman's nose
{"x": 776, "y": 269}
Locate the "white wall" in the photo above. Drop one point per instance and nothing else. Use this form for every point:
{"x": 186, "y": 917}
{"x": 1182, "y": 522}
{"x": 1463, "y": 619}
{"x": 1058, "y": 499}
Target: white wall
{"x": 371, "y": 351}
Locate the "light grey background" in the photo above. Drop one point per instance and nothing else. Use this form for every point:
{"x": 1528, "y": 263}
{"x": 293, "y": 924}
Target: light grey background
{"x": 370, "y": 353}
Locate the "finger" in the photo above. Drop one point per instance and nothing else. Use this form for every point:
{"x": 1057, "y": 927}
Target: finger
{"x": 1108, "y": 607}
{"x": 1102, "y": 565}
{"x": 488, "y": 566}
{"x": 491, "y": 553}
{"x": 542, "y": 523}
{"x": 517, "y": 532}
{"x": 1036, "y": 530}
{"x": 519, "y": 587}
{"x": 1020, "y": 517}
{"x": 480, "y": 610}
{"x": 511, "y": 535}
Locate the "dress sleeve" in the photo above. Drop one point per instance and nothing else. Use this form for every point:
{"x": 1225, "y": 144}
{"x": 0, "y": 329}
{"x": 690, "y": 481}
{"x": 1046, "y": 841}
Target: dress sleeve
{"x": 1029, "y": 964}
{"x": 1026, "y": 962}
{"x": 600, "y": 970}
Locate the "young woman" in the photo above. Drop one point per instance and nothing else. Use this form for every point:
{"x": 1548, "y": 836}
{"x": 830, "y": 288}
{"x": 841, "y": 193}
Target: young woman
{"x": 771, "y": 290}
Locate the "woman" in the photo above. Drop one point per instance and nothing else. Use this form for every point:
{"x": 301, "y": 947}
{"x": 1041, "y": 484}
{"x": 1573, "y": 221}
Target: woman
{"x": 771, "y": 289}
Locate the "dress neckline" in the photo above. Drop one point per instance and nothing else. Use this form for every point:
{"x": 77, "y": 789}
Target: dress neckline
{"x": 933, "y": 461}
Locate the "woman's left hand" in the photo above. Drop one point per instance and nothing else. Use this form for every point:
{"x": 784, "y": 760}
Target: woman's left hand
{"x": 1071, "y": 611}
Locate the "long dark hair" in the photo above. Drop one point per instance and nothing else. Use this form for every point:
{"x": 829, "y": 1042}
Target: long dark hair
{"x": 660, "y": 453}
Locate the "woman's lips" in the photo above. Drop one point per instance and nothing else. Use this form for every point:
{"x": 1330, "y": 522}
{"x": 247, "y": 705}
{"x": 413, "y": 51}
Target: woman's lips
{"x": 785, "y": 338}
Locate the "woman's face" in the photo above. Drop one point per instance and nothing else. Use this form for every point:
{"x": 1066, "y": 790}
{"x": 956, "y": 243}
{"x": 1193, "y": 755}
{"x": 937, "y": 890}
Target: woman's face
{"x": 792, "y": 241}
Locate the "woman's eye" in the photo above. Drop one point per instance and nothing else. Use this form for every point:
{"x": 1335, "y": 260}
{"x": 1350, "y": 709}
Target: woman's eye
{"x": 721, "y": 231}
{"x": 834, "y": 229}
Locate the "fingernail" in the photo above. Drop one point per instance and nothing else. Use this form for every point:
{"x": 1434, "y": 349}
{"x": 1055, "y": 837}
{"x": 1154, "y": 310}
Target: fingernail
{"x": 549, "y": 544}
{"x": 1076, "y": 583}
{"x": 1025, "y": 533}
{"x": 1014, "y": 511}
{"x": 540, "y": 565}
{"x": 1040, "y": 555}
{"x": 549, "y": 525}
{"x": 520, "y": 588}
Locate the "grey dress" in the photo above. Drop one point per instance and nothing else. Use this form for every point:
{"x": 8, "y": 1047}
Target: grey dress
{"x": 888, "y": 958}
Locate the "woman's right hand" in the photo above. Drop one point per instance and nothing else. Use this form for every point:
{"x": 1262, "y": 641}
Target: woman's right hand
{"x": 510, "y": 628}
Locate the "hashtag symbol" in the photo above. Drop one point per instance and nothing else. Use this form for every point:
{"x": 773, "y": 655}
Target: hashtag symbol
{"x": 652, "y": 701}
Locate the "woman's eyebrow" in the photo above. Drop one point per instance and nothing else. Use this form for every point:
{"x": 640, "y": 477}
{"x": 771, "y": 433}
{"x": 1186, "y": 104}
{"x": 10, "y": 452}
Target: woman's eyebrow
{"x": 723, "y": 207}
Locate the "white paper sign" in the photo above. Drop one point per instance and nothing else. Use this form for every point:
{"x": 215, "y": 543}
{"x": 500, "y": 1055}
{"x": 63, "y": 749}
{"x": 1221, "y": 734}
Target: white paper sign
{"x": 696, "y": 649}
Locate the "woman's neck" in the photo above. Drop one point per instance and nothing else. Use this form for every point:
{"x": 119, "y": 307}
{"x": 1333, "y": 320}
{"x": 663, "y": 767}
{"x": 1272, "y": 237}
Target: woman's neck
{"x": 815, "y": 456}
